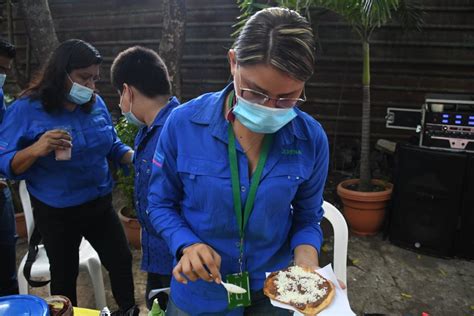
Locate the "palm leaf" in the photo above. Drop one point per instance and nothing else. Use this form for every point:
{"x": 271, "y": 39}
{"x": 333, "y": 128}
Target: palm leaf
{"x": 410, "y": 14}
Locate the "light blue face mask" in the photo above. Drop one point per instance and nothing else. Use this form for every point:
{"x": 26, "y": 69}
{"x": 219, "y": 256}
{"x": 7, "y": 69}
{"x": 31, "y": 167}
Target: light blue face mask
{"x": 3, "y": 78}
{"x": 262, "y": 119}
{"x": 131, "y": 118}
{"x": 79, "y": 94}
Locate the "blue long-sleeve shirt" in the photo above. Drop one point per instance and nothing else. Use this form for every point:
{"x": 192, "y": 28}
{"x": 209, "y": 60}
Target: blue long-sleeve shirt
{"x": 190, "y": 199}
{"x": 156, "y": 257}
{"x": 62, "y": 183}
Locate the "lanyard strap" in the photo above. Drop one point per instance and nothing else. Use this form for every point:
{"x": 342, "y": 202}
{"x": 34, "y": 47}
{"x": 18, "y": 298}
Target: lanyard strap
{"x": 242, "y": 219}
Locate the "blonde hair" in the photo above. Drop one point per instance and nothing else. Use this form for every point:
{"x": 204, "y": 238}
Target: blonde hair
{"x": 279, "y": 37}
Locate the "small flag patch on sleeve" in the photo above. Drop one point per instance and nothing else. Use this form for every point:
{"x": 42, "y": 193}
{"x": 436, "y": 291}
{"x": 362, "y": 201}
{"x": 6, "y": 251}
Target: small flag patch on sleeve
{"x": 158, "y": 159}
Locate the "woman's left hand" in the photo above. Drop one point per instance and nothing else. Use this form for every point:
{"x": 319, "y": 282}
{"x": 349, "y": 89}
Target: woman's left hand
{"x": 306, "y": 256}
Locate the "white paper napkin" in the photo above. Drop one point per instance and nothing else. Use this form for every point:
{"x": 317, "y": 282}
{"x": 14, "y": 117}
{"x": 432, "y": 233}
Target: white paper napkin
{"x": 339, "y": 305}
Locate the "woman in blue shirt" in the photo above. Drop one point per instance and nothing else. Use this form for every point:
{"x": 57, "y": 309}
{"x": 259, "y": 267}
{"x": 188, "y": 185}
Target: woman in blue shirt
{"x": 71, "y": 198}
{"x": 238, "y": 175}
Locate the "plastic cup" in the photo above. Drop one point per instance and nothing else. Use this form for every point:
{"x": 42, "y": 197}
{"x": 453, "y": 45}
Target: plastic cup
{"x": 63, "y": 154}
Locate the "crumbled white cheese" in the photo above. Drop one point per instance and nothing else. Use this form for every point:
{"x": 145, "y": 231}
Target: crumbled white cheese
{"x": 308, "y": 282}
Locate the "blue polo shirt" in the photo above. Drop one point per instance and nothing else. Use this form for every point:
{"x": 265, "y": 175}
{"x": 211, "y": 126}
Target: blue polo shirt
{"x": 62, "y": 183}
{"x": 156, "y": 257}
{"x": 190, "y": 199}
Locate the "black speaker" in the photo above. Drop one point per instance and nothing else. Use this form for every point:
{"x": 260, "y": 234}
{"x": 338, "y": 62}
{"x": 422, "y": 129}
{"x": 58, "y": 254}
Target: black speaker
{"x": 465, "y": 238}
{"x": 426, "y": 201}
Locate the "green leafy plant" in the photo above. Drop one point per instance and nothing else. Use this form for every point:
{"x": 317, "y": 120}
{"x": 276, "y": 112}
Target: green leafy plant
{"x": 364, "y": 16}
{"x": 247, "y": 9}
{"x": 126, "y": 132}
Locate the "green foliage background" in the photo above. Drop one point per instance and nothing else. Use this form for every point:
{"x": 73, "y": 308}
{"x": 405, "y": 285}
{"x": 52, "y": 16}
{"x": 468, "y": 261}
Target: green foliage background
{"x": 126, "y": 132}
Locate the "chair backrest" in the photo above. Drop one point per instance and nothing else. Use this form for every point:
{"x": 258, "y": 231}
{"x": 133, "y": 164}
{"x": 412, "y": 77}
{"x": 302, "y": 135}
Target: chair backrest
{"x": 341, "y": 235}
{"x": 27, "y": 209}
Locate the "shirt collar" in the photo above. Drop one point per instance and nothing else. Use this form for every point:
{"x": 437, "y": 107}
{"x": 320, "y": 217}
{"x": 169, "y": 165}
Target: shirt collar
{"x": 160, "y": 119}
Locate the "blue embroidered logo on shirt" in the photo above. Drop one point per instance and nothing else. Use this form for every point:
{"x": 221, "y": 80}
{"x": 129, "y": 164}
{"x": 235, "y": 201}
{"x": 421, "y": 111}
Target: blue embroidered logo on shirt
{"x": 291, "y": 152}
{"x": 158, "y": 159}
{"x": 96, "y": 112}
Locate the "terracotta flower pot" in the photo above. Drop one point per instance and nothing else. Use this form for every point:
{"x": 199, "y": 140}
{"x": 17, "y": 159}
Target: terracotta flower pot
{"x": 132, "y": 229}
{"x": 364, "y": 211}
{"x": 20, "y": 224}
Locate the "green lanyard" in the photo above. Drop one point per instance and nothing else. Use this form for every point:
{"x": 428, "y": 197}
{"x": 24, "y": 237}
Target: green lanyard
{"x": 242, "y": 219}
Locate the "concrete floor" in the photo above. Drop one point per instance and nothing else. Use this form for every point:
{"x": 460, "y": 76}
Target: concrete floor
{"x": 382, "y": 278}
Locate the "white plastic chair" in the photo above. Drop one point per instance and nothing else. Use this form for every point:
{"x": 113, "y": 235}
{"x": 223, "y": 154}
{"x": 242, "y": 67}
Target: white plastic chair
{"x": 341, "y": 239}
{"x": 88, "y": 257}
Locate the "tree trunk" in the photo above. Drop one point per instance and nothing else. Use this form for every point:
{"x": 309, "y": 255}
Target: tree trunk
{"x": 40, "y": 28}
{"x": 172, "y": 40}
{"x": 21, "y": 78}
{"x": 365, "y": 177}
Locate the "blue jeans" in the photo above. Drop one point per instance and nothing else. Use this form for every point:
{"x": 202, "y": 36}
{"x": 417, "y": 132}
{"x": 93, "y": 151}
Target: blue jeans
{"x": 261, "y": 306}
{"x": 8, "y": 279}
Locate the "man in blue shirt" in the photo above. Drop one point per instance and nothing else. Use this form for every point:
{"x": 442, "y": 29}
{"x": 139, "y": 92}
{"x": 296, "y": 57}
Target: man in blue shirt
{"x": 8, "y": 279}
{"x": 141, "y": 78}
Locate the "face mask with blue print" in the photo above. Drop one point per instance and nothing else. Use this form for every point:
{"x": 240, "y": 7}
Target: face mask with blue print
{"x": 131, "y": 118}
{"x": 262, "y": 119}
{"x": 79, "y": 94}
{"x": 3, "y": 78}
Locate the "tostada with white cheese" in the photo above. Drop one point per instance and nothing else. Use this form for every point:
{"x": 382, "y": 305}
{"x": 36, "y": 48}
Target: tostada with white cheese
{"x": 304, "y": 289}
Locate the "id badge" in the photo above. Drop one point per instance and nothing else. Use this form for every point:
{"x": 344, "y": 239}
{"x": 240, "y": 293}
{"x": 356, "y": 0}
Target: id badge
{"x": 239, "y": 300}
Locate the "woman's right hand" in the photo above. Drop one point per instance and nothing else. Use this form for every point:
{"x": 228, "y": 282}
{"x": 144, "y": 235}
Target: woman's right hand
{"x": 199, "y": 261}
{"x": 52, "y": 140}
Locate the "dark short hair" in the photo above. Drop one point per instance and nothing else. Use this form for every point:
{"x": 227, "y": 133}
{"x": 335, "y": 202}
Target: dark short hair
{"x": 49, "y": 84}
{"x": 143, "y": 69}
{"x": 279, "y": 37}
{"x": 7, "y": 49}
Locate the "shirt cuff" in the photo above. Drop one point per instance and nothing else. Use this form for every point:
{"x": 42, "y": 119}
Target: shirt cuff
{"x": 117, "y": 158}
{"x": 6, "y": 169}
{"x": 312, "y": 238}
{"x": 182, "y": 239}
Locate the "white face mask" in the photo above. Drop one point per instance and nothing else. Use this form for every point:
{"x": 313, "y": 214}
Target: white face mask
{"x": 3, "y": 78}
{"x": 262, "y": 119}
{"x": 79, "y": 94}
{"x": 130, "y": 117}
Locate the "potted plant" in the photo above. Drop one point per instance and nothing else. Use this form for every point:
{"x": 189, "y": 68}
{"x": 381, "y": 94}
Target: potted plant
{"x": 365, "y": 198}
{"x": 125, "y": 184}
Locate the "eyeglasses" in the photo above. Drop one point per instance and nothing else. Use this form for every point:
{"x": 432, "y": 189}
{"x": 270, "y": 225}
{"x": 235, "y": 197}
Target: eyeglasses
{"x": 261, "y": 98}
